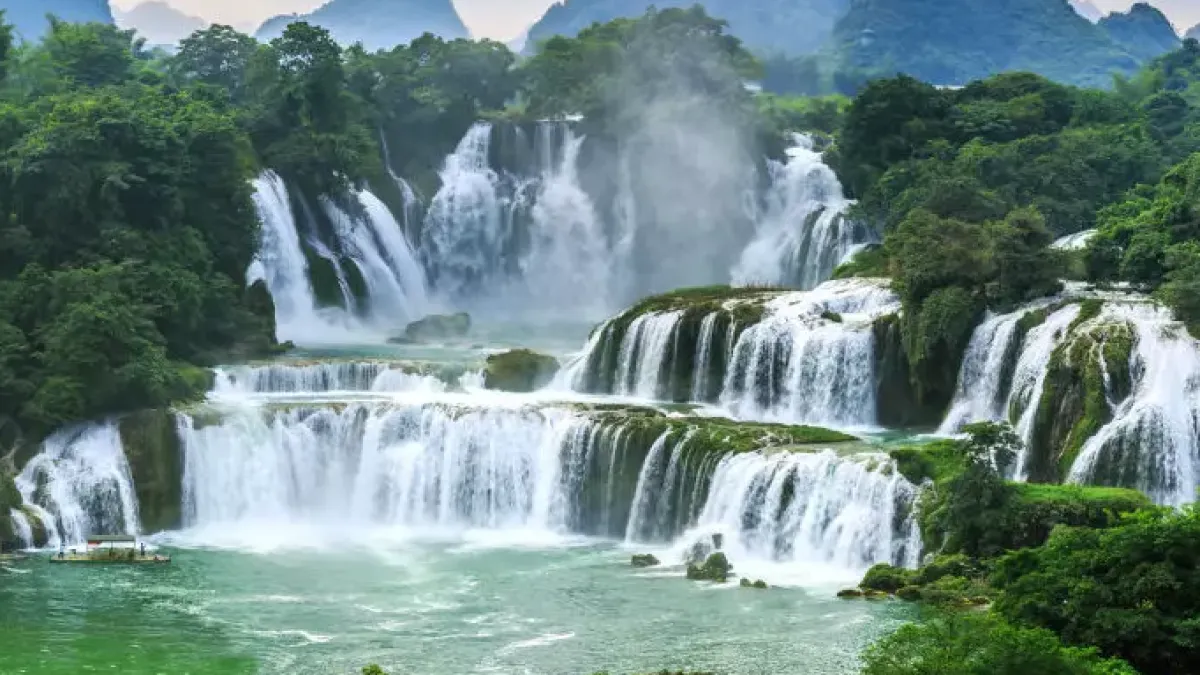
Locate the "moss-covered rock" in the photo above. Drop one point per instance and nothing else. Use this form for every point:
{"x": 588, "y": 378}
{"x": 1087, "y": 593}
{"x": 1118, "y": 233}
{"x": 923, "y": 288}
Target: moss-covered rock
{"x": 716, "y": 568}
{"x": 721, "y": 312}
{"x": 152, "y": 447}
{"x": 936, "y": 461}
{"x": 10, "y": 499}
{"x": 1087, "y": 374}
{"x": 437, "y": 327}
{"x": 887, "y": 578}
{"x": 909, "y": 593}
{"x": 41, "y": 535}
{"x": 644, "y": 560}
{"x": 759, "y": 584}
{"x": 895, "y": 397}
{"x": 520, "y": 370}
{"x": 850, "y": 593}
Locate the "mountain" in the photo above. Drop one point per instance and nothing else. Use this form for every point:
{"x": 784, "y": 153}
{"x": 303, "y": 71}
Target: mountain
{"x": 29, "y": 16}
{"x": 792, "y": 27}
{"x": 1194, "y": 33}
{"x": 159, "y": 23}
{"x": 378, "y": 24}
{"x": 1143, "y": 31}
{"x": 954, "y": 42}
{"x": 1087, "y": 10}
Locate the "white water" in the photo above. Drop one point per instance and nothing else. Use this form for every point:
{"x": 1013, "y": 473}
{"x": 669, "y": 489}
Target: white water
{"x": 80, "y": 484}
{"x": 328, "y": 376}
{"x": 375, "y": 244}
{"x": 803, "y": 235}
{"x": 1029, "y": 377}
{"x": 1153, "y": 441}
{"x": 1074, "y": 242}
{"x": 24, "y": 530}
{"x": 800, "y": 365}
{"x": 844, "y": 510}
{"x": 644, "y": 353}
{"x": 708, "y": 329}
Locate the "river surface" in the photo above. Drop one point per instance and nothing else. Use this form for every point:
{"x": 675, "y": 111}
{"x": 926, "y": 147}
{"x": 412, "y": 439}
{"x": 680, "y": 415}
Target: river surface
{"x": 480, "y": 605}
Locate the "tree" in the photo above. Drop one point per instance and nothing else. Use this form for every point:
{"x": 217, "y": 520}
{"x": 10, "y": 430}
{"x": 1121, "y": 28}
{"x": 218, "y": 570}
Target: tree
{"x": 91, "y": 54}
{"x": 219, "y": 56}
{"x": 981, "y": 644}
{"x": 1131, "y": 591}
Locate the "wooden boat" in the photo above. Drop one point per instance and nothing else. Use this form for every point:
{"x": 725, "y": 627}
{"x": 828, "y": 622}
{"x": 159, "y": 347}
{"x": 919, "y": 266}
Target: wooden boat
{"x": 120, "y": 549}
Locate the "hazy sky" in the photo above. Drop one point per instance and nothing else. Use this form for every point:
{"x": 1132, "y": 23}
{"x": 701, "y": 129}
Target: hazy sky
{"x": 498, "y": 19}
{"x": 505, "y": 19}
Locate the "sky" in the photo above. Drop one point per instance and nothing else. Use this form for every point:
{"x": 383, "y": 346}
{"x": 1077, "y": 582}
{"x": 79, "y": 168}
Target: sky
{"x": 496, "y": 19}
{"x": 506, "y": 19}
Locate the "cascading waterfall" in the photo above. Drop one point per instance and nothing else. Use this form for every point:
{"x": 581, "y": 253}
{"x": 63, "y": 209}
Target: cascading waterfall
{"x": 373, "y": 243}
{"x": 803, "y": 235}
{"x": 1074, "y": 242}
{"x": 643, "y": 354}
{"x": 24, "y": 530}
{"x": 811, "y": 358}
{"x": 327, "y": 376}
{"x": 1029, "y": 377}
{"x": 982, "y": 379}
{"x": 852, "y": 512}
{"x": 1153, "y": 440}
{"x": 700, "y": 384}
{"x": 80, "y": 484}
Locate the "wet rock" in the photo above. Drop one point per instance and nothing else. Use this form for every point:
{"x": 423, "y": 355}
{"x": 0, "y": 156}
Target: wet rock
{"x": 850, "y": 593}
{"x": 436, "y": 327}
{"x": 715, "y": 568}
{"x": 520, "y": 371}
{"x": 644, "y": 560}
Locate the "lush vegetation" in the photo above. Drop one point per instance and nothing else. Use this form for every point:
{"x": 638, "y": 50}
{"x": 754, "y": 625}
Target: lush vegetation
{"x": 1087, "y": 580}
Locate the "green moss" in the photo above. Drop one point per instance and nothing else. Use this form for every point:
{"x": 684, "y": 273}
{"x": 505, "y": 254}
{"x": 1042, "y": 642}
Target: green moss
{"x": 1088, "y": 310}
{"x": 716, "y": 569}
{"x": 870, "y": 262}
{"x": 887, "y": 578}
{"x": 937, "y": 461}
{"x": 10, "y": 499}
{"x": 152, "y": 448}
{"x": 520, "y": 370}
{"x": 1074, "y": 404}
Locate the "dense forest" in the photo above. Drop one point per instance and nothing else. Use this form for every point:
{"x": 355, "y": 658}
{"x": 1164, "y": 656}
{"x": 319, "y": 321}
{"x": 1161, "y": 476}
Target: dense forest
{"x": 127, "y": 227}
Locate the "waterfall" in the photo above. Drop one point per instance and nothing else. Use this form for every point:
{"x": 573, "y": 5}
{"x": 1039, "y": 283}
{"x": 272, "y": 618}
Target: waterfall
{"x": 803, "y": 235}
{"x": 980, "y": 394}
{"x": 1074, "y": 242}
{"x": 1153, "y": 440}
{"x": 569, "y": 263}
{"x": 373, "y": 243}
{"x": 812, "y": 357}
{"x": 1029, "y": 377}
{"x": 280, "y": 261}
{"x": 80, "y": 484}
{"x": 466, "y": 233}
{"x": 23, "y": 529}
{"x": 644, "y": 354}
{"x": 327, "y": 376}
{"x": 708, "y": 329}
{"x": 852, "y": 512}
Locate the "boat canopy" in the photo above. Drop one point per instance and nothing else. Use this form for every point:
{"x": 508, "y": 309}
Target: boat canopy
{"x": 97, "y": 539}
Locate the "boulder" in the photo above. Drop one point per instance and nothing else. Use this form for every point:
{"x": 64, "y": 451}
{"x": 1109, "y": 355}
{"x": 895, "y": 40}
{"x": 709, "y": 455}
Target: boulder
{"x": 644, "y": 560}
{"x": 846, "y": 593}
{"x": 715, "y": 568}
{"x": 436, "y": 327}
{"x": 520, "y": 370}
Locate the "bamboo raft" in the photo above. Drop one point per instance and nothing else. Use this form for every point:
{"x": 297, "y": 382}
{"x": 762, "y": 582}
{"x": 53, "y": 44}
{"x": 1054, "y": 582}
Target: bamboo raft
{"x": 121, "y": 549}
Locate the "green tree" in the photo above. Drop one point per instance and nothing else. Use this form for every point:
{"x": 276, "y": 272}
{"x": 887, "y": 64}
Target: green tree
{"x": 91, "y": 54}
{"x": 981, "y": 644}
{"x": 1131, "y": 591}
{"x": 219, "y": 56}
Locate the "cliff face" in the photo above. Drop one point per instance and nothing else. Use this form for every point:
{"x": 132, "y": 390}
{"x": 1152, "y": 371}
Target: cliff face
{"x": 1143, "y": 31}
{"x": 378, "y": 24}
{"x": 792, "y": 27}
{"x": 29, "y": 16}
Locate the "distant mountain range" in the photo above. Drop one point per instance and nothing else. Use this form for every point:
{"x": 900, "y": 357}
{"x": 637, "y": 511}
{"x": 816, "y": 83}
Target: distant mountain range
{"x": 159, "y": 23}
{"x": 1194, "y": 33}
{"x": 792, "y": 27}
{"x": 955, "y": 42}
{"x": 1087, "y": 10}
{"x": 1143, "y": 31}
{"x": 378, "y": 24}
{"x": 29, "y": 16}
{"x": 942, "y": 41}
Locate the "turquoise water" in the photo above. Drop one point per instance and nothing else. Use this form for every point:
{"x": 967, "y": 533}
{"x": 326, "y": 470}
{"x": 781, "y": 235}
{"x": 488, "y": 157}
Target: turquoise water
{"x": 431, "y": 608}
